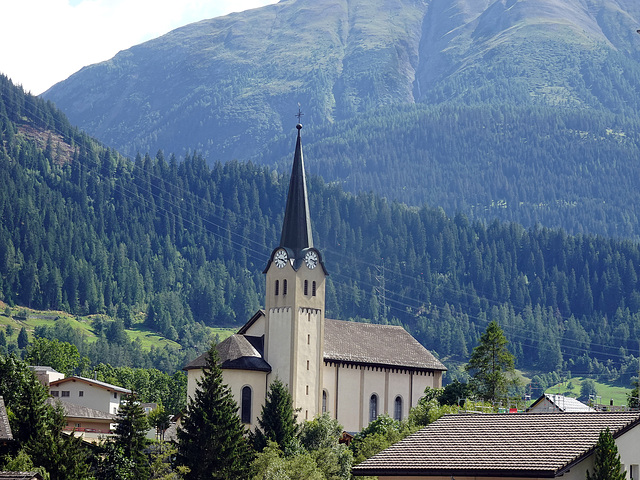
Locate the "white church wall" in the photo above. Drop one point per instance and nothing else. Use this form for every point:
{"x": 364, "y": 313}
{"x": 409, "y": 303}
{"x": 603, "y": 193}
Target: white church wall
{"x": 236, "y": 379}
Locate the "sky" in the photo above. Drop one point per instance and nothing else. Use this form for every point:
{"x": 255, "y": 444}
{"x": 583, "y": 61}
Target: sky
{"x": 45, "y": 41}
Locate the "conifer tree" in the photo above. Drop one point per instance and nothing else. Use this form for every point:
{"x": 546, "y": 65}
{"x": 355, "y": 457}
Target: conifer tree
{"x": 606, "y": 462}
{"x": 130, "y": 435}
{"x": 277, "y": 421}
{"x": 211, "y": 440}
{"x": 491, "y": 364}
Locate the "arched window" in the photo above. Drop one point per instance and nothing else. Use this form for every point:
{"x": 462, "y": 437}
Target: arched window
{"x": 306, "y": 287}
{"x": 397, "y": 410}
{"x": 324, "y": 401}
{"x": 246, "y": 405}
{"x": 284, "y": 287}
{"x": 313, "y": 289}
{"x": 373, "y": 407}
{"x": 277, "y": 287}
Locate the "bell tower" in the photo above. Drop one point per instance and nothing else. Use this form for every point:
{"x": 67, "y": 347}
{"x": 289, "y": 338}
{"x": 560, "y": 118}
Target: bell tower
{"x": 295, "y": 300}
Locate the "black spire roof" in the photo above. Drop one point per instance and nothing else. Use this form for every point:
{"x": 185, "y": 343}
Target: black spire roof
{"x": 296, "y": 228}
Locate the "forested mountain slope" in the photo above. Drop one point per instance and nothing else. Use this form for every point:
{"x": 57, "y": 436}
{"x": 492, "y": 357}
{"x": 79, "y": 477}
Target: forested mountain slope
{"x": 523, "y": 110}
{"x": 185, "y": 243}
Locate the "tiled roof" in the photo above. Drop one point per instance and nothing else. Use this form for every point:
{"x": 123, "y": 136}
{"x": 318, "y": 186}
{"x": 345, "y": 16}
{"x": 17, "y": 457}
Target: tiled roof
{"x": 89, "y": 381}
{"x": 369, "y": 343}
{"x": 20, "y": 476}
{"x": 521, "y": 444}
{"x": 5, "y": 428}
{"x": 562, "y": 403}
{"x": 78, "y": 411}
{"x": 236, "y": 352}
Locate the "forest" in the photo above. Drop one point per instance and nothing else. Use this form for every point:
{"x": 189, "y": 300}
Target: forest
{"x": 180, "y": 245}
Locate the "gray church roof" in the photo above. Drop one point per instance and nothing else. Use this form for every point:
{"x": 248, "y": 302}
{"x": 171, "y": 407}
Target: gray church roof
{"x": 347, "y": 342}
{"x": 236, "y": 352}
{"x": 384, "y": 345}
{"x": 296, "y": 227}
{"x": 498, "y": 445}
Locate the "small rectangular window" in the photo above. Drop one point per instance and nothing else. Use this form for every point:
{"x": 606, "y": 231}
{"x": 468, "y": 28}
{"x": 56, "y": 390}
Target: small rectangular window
{"x": 65, "y": 393}
{"x": 115, "y": 394}
{"x": 55, "y": 393}
{"x": 307, "y": 364}
{"x": 81, "y": 393}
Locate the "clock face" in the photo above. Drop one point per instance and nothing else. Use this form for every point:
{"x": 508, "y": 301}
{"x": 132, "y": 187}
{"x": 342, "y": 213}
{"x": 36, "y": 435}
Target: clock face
{"x": 280, "y": 258}
{"x": 311, "y": 259}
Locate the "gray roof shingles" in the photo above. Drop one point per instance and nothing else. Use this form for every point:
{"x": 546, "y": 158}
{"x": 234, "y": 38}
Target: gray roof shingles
{"x": 20, "y": 476}
{"x": 89, "y": 381}
{"x": 543, "y": 444}
{"x": 78, "y": 411}
{"x": 5, "y": 428}
{"x": 369, "y": 343}
{"x": 349, "y": 342}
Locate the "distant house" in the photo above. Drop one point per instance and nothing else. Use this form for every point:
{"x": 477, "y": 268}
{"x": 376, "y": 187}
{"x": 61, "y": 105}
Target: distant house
{"x": 498, "y": 446}
{"x": 46, "y": 375}
{"x": 84, "y": 421}
{"x": 550, "y": 403}
{"x": 89, "y": 393}
{"x": 5, "y": 429}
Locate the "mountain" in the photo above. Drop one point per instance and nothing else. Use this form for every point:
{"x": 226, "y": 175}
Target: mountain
{"x": 181, "y": 245}
{"x": 519, "y": 110}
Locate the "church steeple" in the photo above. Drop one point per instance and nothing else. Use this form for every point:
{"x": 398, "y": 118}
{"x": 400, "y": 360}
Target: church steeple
{"x": 296, "y": 228}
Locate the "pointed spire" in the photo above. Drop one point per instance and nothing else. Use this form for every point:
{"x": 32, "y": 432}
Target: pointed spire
{"x": 296, "y": 228}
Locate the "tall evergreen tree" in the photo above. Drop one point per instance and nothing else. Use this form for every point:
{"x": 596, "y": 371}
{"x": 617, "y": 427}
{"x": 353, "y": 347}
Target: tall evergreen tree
{"x": 211, "y": 438}
{"x": 130, "y": 435}
{"x": 23, "y": 338}
{"x": 491, "y": 364}
{"x": 277, "y": 421}
{"x": 606, "y": 462}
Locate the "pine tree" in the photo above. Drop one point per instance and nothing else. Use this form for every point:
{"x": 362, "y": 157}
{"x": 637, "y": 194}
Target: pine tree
{"x": 606, "y": 461}
{"x": 277, "y": 421}
{"x": 130, "y": 435}
{"x": 491, "y": 364}
{"x": 23, "y": 338}
{"x": 211, "y": 438}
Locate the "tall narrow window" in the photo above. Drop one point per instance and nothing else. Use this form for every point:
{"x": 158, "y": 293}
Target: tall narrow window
{"x": 324, "y": 401}
{"x": 277, "y": 287}
{"x": 373, "y": 407}
{"x": 306, "y": 287}
{"x": 397, "y": 411}
{"x": 313, "y": 289}
{"x": 246, "y": 405}
{"x": 284, "y": 287}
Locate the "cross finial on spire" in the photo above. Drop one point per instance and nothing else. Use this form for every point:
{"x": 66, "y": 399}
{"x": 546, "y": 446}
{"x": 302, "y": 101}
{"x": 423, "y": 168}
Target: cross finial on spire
{"x": 299, "y": 114}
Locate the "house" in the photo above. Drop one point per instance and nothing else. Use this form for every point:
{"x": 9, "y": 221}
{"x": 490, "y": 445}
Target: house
{"x": 558, "y": 403}
{"x": 353, "y": 371}
{"x": 89, "y": 393}
{"x": 514, "y": 446}
{"x": 85, "y": 422}
{"x": 5, "y": 429}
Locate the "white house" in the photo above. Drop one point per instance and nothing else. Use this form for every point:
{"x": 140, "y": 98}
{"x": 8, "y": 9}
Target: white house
{"x": 558, "y": 403}
{"x": 89, "y": 393}
{"x": 514, "y": 446}
{"x": 353, "y": 371}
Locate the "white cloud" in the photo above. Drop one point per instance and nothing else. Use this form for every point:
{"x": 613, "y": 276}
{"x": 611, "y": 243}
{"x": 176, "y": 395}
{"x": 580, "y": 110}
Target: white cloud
{"x": 45, "y": 41}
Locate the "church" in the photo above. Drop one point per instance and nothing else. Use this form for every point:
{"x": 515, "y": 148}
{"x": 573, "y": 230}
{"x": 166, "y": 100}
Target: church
{"x": 352, "y": 371}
